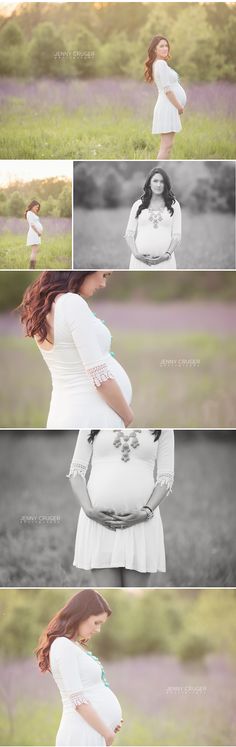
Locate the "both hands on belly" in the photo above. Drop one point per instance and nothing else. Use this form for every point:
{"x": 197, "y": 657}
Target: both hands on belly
{"x": 113, "y": 521}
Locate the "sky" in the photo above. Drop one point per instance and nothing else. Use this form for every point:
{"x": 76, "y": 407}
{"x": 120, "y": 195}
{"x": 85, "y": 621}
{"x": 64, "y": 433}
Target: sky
{"x": 27, "y": 170}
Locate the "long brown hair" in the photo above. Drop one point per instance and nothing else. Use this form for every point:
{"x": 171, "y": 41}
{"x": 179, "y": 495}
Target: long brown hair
{"x": 66, "y": 622}
{"x": 31, "y": 204}
{"x": 152, "y": 57}
{"x": 39, "y": 296}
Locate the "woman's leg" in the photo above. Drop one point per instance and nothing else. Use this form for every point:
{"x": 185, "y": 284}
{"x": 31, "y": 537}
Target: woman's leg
{"x": 107, "y": 577}
{"x": 34, "y": 250}
{"x": 135, "y": 578}
{"x": 166, "y": 143}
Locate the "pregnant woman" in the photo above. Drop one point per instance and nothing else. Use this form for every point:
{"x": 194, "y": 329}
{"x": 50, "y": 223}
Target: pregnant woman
{"x": 91, "y": 712}
{"x": 34, "y": 232}
{"x": 154, "y": 226}
{"x": 171, "y": 96}
{"x": 120, "y": 533}
{"x": 89, "y": 387}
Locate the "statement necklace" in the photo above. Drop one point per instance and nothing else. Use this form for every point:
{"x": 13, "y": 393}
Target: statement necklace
{"x": 155, "y": 216}
{"x": 125, "y": 440}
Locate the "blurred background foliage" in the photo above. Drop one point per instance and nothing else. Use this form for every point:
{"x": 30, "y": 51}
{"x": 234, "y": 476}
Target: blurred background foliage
{"x": 186, "y": 623}
{"x": 208, "y": 185}
{"x": 117, "y": 35}
{"x": 53, "y": 194}
{"x": 191, "y": 285}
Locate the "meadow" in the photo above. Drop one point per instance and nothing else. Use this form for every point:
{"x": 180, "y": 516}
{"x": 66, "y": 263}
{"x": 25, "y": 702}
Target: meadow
{"x": 152, "y": 714}
{"x": 38, "y": 512}
{"x": 55, "y": 251}
{"x": 178, "y": 357}
{"x": 109, "y": 118}
{"x": 208, "y": 240}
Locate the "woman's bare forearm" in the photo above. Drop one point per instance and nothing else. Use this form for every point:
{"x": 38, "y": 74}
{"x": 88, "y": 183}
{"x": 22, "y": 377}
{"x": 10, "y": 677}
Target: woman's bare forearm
{"x": 157, "y": 496}
{"x": 80, "y": 490}
{"x": 112, "y": 394}
{"x": 93, "y": 719}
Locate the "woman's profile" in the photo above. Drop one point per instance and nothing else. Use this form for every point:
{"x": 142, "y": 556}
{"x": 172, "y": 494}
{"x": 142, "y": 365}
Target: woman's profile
{"x": 34, "y": 232}
{"x": 91, "y": 711}
{"x": 90, "y": 388}
{"x": 171, "y": 96}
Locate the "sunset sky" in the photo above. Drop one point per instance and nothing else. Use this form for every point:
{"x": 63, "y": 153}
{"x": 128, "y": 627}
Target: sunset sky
{"x": 28, "y": 170}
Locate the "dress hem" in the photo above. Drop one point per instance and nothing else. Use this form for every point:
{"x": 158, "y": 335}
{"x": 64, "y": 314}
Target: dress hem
{"x": 118, "y": 565}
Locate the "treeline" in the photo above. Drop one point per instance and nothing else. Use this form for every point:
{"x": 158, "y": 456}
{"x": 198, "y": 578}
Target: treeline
{"x": 54, "y": 196}
{"x": 200, "y": 187}
{"x": 142, "y": 286}
{"x": 111, "y": 39}
{"x": 189, "y": 624}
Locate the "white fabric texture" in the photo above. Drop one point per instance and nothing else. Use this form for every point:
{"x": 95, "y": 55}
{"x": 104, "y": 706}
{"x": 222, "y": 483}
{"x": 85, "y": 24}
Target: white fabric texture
{"x": 122, "y": 486}
{"x": 154, "y": 241}
{"x": 32, "y": 236}
{"x": 79, "y": 678}
{"x": 166, "y": 117}
{"x": 79, "y": 361}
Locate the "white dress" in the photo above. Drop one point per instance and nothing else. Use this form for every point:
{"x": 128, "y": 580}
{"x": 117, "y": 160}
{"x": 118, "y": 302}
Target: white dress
{"x": 166, "y": 117}
{"x": 80, "y": 679}
{"x": 32, "y": 236}
{"x": 79, "y": 361}
{"x": 152, "y": 240}
{"x": 123, "y": 485}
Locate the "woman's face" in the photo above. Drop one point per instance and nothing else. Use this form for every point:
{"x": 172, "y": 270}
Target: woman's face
{"x": 93, "y": 283}
{"x": 162, "y": 50}
{"x": 157, "y": 184}
{"x": 92, "y": 625}
{"x": 36, "y": 208}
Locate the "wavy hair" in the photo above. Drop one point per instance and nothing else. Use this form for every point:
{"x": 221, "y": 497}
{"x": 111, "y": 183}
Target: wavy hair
{"x": 39, "y": 296}
{"x": 66, "y": 622}
{"x": 168, "y": 195}
{"x": 148, "y": 74}
{"x": 93, "y": 435}
{"x": 31, "y": 204}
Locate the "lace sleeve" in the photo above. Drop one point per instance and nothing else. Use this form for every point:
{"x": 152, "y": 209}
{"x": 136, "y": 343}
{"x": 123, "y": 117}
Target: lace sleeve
{"x": 78, "y": 699}
{"x": 165, "y": 459}
{"x": 131, "y": 227}
{"x": 82, "y": 455}
{"x": 100, "y": 373}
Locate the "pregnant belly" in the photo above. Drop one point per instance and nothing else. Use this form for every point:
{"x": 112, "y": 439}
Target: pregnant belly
{"x": 153, "y": 241}
{"x": 121, "y": 486}
{"x": 106, "y": 704}
{"x": 180, "y": 94}
{"x": 121, "y": 378}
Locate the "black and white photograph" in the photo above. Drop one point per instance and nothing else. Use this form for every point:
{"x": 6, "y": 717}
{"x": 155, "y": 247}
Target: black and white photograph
{"x": 154, "y": 215}
{"x": 118, "y": 508}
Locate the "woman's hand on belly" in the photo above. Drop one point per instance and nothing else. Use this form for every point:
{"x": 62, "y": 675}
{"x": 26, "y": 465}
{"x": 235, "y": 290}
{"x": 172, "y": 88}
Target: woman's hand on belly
{"x": 123, "y": 521}
{"x": 101, "y": 517}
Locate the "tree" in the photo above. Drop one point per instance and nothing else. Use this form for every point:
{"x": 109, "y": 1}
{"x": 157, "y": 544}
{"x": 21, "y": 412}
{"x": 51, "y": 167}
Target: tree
{"x": 45, "y": 52}
{"x": 112, "y": 189}
{"x": 85, "y": 51}
{"x": 65, "y": 202}
{"x": 16, "y": 205}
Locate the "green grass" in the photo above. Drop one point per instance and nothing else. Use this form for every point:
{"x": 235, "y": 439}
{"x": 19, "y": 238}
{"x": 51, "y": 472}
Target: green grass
{"x": 107, "y": 134}
{"x": 54, "y": 253}
{"x": 170, "y": 395}
{"x": 37, "y": 724}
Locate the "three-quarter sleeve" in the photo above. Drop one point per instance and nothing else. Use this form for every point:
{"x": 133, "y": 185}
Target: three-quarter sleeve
{"x": 161, "y": 75}
{"x": 81, "y": 322}
{"x": 132, "y": 224}
{"x": 68, "y": 665}
{"x": 176, "y": 227}
{"x": 82, "y": 455}
{"x": 165, "y": 459}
